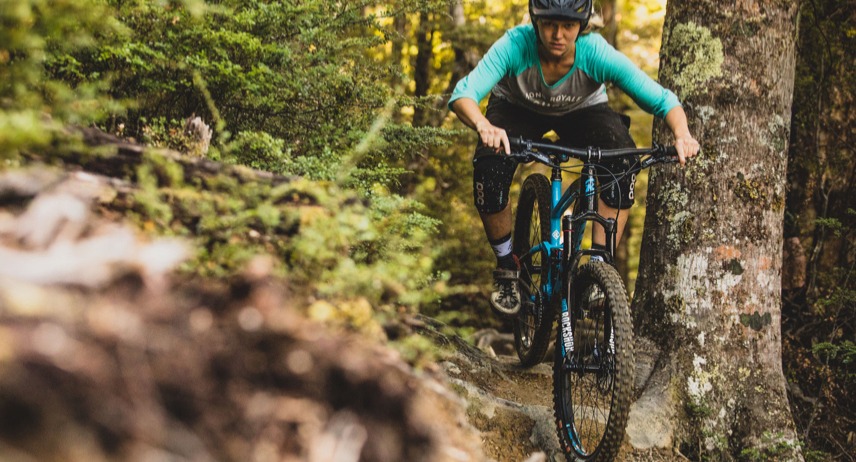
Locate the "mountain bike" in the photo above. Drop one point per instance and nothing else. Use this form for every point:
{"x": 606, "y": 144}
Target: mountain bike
{"x": 593, "y": 358}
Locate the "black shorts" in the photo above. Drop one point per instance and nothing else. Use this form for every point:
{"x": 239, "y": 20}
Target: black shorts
{"x": 597, "y": 125}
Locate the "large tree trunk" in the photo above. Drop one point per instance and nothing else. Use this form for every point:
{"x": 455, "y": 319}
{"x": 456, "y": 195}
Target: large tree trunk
{"x": 709, "y": 287}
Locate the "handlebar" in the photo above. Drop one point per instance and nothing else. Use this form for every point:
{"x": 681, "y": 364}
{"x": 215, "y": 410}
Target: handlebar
{"x": 552, "y": 155}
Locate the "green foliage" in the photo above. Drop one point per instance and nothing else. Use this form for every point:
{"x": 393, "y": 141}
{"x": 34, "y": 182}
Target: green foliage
{"x": 163, "y": 133}
{"x": 419, "y": 350}
{"x": 260, "y": 150}
{"x": 36, "y": 39}
{"x": 297, "y": 88}
{"x": 833, "y": 224}
{"x": 297, "y": 72}
{"x": 772, "y": 447}
{"x": 375, "y": 249}
{"x": 845, "y": 352}
{"x": 290, "y": 88}
{"x": 328, "y": 241}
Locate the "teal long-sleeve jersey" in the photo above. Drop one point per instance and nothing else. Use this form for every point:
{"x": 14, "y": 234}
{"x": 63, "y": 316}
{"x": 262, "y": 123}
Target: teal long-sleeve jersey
{"x": 511, "y": 70}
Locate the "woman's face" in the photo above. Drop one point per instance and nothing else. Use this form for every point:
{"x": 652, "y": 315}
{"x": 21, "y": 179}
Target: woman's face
{"x": 558, "y": 36}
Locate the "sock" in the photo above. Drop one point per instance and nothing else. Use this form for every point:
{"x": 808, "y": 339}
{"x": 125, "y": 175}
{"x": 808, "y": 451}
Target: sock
{"x": 597, "y": 247}
{"x": 502, "y": 250}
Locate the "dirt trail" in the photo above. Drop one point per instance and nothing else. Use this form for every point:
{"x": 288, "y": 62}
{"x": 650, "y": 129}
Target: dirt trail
{"x": 512, "y": 406}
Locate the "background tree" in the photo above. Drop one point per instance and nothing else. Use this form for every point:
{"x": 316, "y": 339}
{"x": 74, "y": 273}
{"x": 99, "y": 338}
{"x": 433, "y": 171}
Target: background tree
{"x": 709, "y": 293}
{"x": 818, "y": 283}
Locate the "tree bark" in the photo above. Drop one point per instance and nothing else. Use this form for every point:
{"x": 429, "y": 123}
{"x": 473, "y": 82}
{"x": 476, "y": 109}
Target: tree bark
{"x": 433, "y": 113}
{"x": 610, "y": 26}
{"x": 422, "y": 67}
{"x": 465, "y": 60}
{"x": 709, "y": 287}
{"x": 396, "y": 55}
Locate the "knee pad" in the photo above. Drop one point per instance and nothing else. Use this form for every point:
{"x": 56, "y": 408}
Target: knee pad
{"x": 492, "y": 177}
{"x": 620, "y": 194}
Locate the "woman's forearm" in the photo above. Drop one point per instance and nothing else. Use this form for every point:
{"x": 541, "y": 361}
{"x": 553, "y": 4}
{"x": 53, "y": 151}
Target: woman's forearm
{"x": 469, "y": 113}
{"x": 685, "y": 144}
{"x": 676, "y": 119}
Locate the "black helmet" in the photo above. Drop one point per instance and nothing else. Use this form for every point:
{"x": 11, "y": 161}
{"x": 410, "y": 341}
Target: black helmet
{"x": 576, "y": 10}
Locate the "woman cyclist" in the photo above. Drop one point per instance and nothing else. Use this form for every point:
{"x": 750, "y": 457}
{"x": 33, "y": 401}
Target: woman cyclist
{"x": 550, "y": 75}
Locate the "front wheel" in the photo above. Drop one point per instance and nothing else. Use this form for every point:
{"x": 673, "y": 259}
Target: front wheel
{"x": 533, "y": 324}
{"x": 592, "y": 383}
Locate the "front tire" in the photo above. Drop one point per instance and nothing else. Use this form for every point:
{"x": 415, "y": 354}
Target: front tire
{"x": 592, "y": 401}
{"x": 533, "y": 325}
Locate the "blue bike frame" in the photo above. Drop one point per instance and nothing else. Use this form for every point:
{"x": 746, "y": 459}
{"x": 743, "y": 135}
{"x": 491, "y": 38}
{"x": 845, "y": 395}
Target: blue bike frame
{"x": 562, "y": 253}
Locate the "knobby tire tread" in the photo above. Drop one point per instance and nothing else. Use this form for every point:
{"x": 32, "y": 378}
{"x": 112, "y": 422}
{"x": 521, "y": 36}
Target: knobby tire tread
{"x": 536, "y": 190}
{"x": 618, "y": 305}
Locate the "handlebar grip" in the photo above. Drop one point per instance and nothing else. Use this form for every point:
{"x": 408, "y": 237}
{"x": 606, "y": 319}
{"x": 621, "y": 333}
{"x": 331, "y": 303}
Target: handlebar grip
{"x": 516, "y": 142}
{"x": 670, "y": 155}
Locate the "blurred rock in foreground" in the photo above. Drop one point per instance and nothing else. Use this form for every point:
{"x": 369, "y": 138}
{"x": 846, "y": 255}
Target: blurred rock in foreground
{"x": 105, "y": 356}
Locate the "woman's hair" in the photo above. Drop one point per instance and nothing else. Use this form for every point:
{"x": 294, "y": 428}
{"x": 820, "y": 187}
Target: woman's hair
{"x": 596, "y": 22}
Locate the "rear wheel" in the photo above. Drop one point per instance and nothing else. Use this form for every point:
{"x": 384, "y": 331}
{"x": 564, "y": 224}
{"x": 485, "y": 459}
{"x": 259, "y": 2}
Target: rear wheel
{"x": 592, "y": 384}
{"x": 532, "y": 327}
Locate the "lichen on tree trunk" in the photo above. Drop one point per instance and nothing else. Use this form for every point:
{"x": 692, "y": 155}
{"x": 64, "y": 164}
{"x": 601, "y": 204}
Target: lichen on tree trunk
{"x": 709, "y": 287}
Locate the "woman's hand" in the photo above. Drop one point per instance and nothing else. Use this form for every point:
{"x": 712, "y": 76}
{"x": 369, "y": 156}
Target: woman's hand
{"x": 493, "y": 136}
{"x": 685, "y": 144}
{"x": 468, "y": 111}
{"x": 687, "y": 147}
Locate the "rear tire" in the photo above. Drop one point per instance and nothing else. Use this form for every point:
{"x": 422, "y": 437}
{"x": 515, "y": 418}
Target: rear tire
{"x": 532, "y": 327}
{"x": 591, "y": 407}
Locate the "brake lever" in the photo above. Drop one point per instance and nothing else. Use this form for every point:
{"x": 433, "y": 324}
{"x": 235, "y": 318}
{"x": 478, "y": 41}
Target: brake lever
{"x": 525, "y": 156}
{"x": 541, "y": 157}
{"x": 663, "y": 155}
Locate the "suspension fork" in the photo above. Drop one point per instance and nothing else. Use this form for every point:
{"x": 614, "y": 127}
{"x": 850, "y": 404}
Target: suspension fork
{"x": 570, "y": 260}
{"x": 587, "y": 194}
